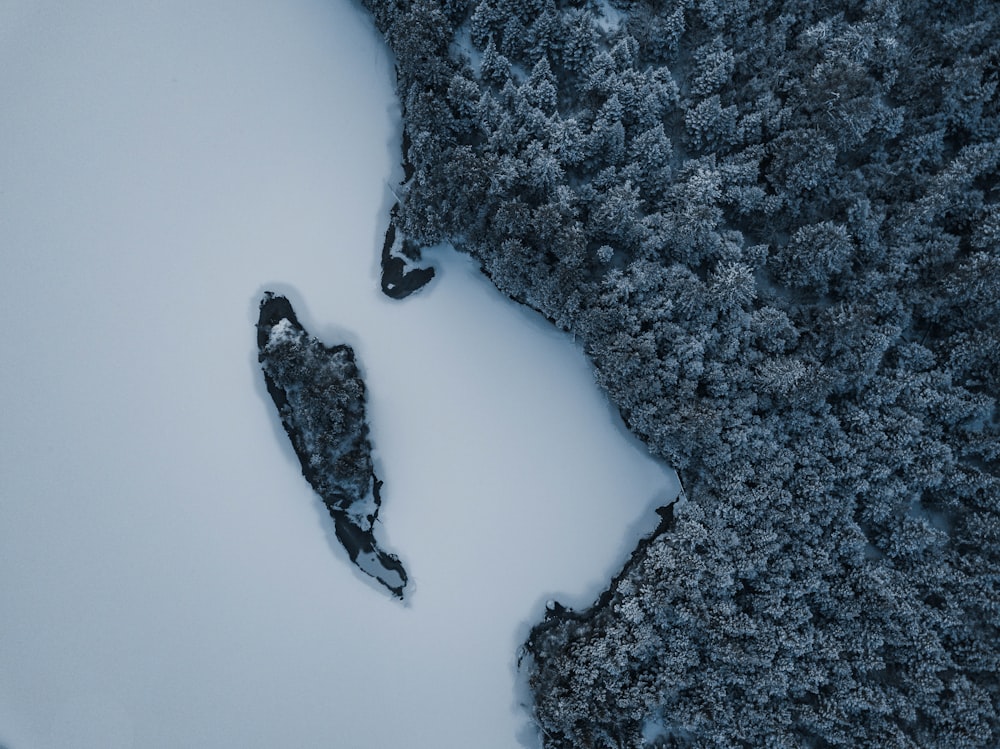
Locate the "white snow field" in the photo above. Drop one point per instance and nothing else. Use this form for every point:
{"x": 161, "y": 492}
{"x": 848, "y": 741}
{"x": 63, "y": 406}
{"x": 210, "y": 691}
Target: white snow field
{"x": 167, "y": 577}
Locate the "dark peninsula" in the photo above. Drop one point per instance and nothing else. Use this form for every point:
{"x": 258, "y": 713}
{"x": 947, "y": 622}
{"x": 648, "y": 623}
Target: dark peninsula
{"x": 399, "y": 278}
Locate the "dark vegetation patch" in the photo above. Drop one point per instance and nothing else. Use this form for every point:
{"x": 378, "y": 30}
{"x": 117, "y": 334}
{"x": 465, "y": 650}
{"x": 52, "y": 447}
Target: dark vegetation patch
{"x": 320, "y": 398}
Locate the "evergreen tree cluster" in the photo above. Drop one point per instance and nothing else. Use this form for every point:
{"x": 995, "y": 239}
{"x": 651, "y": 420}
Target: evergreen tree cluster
{"x": 775, "y": 228}
{"x": 320, "y": 397}
{"x": 324, "y": 398}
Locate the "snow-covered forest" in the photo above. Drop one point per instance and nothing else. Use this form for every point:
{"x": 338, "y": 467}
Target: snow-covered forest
{"x": 775, "y": 228}
{"x": 772, "y": 227}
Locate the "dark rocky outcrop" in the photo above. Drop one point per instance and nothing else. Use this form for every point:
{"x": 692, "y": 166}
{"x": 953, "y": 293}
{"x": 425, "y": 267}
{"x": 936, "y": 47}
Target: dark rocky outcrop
{"x": 399, "y": 279}
{"x": 320, "y": 397}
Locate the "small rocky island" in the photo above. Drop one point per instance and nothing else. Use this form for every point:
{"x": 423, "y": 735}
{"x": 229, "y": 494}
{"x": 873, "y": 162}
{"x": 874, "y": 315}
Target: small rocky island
{"x": 320, "y": 397}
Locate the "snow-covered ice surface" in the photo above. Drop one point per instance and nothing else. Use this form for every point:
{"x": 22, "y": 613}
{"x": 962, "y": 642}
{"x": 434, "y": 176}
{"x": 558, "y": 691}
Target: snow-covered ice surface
{"x": 167, "y": 577}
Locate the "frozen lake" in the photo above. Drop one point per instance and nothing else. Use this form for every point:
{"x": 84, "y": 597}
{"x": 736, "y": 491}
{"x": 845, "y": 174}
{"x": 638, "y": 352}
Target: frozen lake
{"x": 167, "y": 577}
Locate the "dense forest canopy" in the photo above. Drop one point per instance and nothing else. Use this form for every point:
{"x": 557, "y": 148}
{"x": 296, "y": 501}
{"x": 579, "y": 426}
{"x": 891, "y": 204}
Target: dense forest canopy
{"x": 775, "y": 228}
